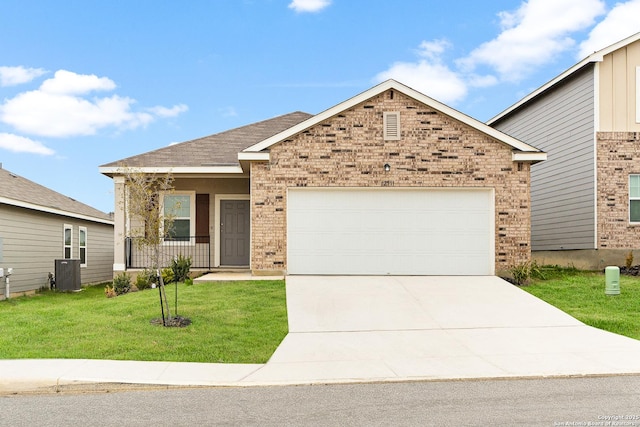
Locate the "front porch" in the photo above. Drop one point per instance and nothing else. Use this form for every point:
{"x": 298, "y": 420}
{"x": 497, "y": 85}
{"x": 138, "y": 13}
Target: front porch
{"x": 213, "y": 226}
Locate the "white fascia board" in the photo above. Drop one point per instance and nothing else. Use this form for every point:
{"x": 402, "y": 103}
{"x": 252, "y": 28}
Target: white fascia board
{"x": 261, "y": 156}
{"x": 376, "y": 90}
{"x": 26, "y": 205}
{"x": 529, "y": 157}
{"x": 117, "y": 170}
{"x": 594, "y": 57}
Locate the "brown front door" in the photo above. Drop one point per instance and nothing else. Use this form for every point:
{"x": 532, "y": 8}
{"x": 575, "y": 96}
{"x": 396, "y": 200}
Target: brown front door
{"x": 234, "y": 232}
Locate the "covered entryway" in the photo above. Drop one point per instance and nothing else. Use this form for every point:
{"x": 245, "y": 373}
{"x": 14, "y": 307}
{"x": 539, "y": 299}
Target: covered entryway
{"x": 407, "y": 231}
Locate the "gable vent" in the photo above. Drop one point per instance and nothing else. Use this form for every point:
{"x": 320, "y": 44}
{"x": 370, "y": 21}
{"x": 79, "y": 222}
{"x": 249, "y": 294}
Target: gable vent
{"x": 391, "y": 123}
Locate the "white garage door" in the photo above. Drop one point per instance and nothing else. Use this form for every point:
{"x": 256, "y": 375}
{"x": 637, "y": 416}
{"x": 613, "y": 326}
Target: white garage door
{"x": 394, "y": 231}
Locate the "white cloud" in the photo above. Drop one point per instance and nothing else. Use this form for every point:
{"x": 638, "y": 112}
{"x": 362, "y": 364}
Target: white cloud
{"x": 58, "y": 109}
{"x": 228, "y": 112}
{"x": 12, "y": 76}
{"x": 532, "y": 36}
{"x": 69, "y": 83}
{"x": 433, "y": 50}
{"x": 169, "y": 112}
{"x": 429, "y": 75}
{"x": 20, "y": 144}
{"x": 620, "y": 22}
{"x": 309, "y": 5}
{"x": 475, "y": 80}
{"x": 54, "y": 115}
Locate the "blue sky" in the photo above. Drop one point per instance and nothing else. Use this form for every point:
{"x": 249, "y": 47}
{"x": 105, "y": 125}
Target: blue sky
{"x": 84, "y": 83}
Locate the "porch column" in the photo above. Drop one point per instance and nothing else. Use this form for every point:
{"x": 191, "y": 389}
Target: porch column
{"x": 119, "y": 226}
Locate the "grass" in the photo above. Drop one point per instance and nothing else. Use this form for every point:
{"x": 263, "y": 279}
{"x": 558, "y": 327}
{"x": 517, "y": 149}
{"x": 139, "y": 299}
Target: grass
{"x": 232, "y": 322}
{"x": 237, "y": 322}
{"x": 581, "y": 294}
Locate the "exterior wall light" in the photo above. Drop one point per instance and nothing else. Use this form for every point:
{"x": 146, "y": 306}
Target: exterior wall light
{"x": 387, "y": 167}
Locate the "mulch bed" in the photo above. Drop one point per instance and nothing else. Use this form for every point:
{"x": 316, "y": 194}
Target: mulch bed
{"x": 175, "y": 322}
{"x": 631, "y": 271}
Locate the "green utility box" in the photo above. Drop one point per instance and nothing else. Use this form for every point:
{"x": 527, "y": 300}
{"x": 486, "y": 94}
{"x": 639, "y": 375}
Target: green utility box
{"x": 612, "y": 278}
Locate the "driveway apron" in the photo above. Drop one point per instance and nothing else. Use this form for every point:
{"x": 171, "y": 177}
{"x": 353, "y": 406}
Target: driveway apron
{"x": 380, "y": 328}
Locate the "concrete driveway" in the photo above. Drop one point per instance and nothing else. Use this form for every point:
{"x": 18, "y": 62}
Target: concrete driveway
{"x": 390, "y": 327}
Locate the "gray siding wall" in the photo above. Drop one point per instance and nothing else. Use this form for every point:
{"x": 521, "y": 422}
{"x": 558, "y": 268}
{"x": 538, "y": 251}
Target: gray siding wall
{"x": 33, "y": 240}
{"x": 561, "y": 122}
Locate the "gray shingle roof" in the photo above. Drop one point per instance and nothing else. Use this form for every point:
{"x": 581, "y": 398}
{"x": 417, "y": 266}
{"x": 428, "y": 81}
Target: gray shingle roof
{"x": 19, "y": 189}
{"x": 213, "y": 150}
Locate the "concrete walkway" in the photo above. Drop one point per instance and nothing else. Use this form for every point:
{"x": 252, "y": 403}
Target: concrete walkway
{"x": 232, "y": 276}
{"x": 372, "y": 328}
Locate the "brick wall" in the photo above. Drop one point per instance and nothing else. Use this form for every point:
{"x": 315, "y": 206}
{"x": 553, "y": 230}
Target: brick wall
{"x": 348, "y": 150}
{"x": 618, "y": 157}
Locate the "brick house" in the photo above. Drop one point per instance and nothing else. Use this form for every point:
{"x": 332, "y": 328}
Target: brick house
{"x": 387, "y": 182}
{"x": 586, "y": 197}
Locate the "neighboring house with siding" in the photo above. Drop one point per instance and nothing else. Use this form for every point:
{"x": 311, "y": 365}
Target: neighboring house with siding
{"x": 585, "y": 199}
{"x": 39, "y": 225}
{"x": 387, "y": 182}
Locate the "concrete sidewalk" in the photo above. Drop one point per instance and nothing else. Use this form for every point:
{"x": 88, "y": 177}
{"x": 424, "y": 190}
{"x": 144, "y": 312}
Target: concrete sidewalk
{"x": 359, "y": 329}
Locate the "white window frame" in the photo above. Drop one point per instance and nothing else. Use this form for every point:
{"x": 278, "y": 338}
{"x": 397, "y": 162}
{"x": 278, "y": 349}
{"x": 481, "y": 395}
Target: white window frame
{"x": 80, "y": 246}
{"x": 64, "y": 241}
{"x": 631, "y": 198}
{"x": 192, "y": 217}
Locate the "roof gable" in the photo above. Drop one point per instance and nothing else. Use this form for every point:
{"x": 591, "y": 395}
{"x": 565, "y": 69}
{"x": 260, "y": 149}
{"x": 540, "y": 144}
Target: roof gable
{"x": 597, "y": 56}
{"x": 247, "y": 154}
{"x": 18, "y": 191}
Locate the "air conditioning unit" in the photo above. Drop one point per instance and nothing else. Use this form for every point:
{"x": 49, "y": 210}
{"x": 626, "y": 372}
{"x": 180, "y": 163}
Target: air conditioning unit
{"x": 67, "y": 273}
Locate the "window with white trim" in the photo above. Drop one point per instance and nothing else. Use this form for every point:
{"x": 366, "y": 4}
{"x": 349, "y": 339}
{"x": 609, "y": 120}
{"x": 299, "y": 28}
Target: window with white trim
{"x": 82, "y": 245}
{"x": 67, "y": 239}
{"x": 634, "y": 198}
{"x": 180, "y": 208}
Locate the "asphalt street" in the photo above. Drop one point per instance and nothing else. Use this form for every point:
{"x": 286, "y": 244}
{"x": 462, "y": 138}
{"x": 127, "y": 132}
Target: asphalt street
{"x": 606, "y": 401}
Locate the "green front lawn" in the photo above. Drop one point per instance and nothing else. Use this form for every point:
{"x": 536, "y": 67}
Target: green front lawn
{"x": 236, "y": 322}
{"x": 232, "y": 322}
{"x": 581, "y": 294}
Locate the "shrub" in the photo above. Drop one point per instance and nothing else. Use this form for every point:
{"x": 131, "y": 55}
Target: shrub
{"x": 180, "y": 267}
{"x": 122, "y": 283}
{"x": 167, "y": 275}
{"x": 145, "y": 278}
{"x": 628, "y": 261}
{"x": 109, "y": 292}
{"x": 523, "y": 272}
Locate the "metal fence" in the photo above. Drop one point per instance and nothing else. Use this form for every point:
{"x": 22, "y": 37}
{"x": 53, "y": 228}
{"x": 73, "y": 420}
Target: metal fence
{"x": 196, "y": 247}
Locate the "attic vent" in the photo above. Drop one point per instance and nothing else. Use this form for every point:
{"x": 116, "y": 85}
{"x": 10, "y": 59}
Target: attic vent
{"x": 391, "y": 123}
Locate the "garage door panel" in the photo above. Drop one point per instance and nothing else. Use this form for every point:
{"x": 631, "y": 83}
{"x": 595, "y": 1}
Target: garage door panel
{"x": 364, "y": 231}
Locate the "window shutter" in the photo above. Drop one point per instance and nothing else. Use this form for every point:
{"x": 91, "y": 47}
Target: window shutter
{"x": 391, "y": 126}
{"x": 202, "y": 218}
